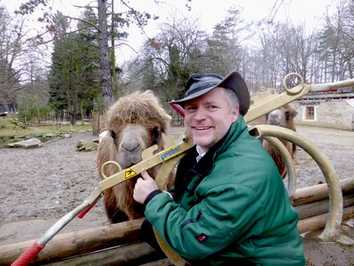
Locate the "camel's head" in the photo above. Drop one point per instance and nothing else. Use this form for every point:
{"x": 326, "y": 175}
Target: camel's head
{"x": 281, "y": 117}
{"x": 136, "y": 122}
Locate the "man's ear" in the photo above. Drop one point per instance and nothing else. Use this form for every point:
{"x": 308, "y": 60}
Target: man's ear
{"x": 236, "y": 112}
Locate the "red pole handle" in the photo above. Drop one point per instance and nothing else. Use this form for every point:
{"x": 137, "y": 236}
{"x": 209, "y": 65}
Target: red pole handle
{"x": 28, "y": 255}
{"x": 85, "y": 211}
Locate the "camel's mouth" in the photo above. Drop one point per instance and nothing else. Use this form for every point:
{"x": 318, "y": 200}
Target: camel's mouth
{"x": 131, "y": 161}
{"x": 127, "y": 159}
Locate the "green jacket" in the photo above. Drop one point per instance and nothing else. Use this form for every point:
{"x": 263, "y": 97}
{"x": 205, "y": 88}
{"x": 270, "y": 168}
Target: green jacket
{"x": 230, "y": 208}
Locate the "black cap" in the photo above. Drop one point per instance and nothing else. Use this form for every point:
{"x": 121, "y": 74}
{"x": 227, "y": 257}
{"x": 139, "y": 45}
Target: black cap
{"x": 200, "y": 84}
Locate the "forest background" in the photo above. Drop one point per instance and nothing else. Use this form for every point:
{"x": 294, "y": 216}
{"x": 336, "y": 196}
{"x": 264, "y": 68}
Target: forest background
{"x": 85, "y": 74}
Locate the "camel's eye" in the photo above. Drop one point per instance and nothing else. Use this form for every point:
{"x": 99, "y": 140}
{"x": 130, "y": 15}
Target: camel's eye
{"x": 287, "y": 115}
{"x": 113, "y": 134}
{"x": 155, "y": 135}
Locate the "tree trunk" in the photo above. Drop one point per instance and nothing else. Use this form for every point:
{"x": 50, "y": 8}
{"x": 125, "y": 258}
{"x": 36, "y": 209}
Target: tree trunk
{"x": 105, "y": 70}
{"x": 113, "y": 54}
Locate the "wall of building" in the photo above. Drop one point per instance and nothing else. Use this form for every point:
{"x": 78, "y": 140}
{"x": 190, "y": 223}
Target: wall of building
{"x": 332, "y": 113}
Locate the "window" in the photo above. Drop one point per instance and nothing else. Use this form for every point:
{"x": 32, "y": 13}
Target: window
{"x": 310, "y": 112}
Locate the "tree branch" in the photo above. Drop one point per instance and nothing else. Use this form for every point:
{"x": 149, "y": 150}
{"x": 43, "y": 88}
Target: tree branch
{"x": 84, "y": 21}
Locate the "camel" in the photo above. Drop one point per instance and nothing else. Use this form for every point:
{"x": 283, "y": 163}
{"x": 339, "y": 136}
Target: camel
{"x": 283, "y": 117}
{"x": 134, "y": 123}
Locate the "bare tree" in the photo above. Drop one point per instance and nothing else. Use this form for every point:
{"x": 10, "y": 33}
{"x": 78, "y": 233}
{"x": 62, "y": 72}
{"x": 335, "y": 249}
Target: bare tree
{"x": 11, "y": 45}
{"x": 170, "y": 58}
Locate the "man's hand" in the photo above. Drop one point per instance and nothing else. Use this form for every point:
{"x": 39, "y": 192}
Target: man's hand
{"x": 143, "y": 187}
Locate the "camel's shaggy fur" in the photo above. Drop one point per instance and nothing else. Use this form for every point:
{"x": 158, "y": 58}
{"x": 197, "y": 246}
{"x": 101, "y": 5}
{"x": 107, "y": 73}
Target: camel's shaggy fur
{"x": 137, "y": 118}
{"x": 141, "y": 108}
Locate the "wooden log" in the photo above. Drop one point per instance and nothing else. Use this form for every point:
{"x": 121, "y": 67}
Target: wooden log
{"x": 69, "y": 244}
{"x": 74, "y": 243}
{"x": 132, "y": 254}
{"x": 123, "y": 255}
{"x": 319, "y": 192}
{"x": 163, "y": 262}
{"x": 318, "y": 222}
{"x": 320, "y": 207}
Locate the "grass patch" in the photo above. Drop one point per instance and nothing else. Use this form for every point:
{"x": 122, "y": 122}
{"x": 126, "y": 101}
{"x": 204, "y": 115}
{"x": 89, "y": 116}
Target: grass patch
{"x": 12, "y": 132}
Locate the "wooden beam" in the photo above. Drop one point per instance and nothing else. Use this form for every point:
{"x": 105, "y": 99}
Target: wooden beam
{"x": 318, "y": 222}
{"x": 132, "y": 254}
{"x": 85, "y": 241}
{"x": 319, "y": 192}
{"x": 163, "y": 262}
{"x": 320, "y": 207}
{"x": 75, "y": 243}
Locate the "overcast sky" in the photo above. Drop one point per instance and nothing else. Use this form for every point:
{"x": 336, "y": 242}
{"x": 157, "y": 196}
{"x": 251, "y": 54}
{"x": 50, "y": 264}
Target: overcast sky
{"x": 207, "y": 13}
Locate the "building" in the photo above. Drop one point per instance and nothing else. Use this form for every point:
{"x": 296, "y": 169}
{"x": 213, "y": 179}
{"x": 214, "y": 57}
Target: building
{"x": 334, "y": 109}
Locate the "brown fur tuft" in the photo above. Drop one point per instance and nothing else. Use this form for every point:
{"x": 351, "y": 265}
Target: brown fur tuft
{"x": 137, "y": 108}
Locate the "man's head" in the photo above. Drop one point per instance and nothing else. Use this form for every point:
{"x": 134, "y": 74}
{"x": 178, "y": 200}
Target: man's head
{"x": 211, "y": 104}
{"x": 200, "y": 84}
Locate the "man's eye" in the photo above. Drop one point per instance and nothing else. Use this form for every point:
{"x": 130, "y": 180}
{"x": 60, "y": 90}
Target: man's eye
{"x": 213, "y": 107}
{"x": 190, "y": 109}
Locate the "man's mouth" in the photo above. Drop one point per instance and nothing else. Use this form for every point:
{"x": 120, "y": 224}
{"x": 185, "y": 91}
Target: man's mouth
{"x": 202, "y": 128}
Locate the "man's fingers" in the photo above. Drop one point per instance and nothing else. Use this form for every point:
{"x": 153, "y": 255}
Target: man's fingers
{"x": 145, "y": 175}
{"x": 143, "y": 187}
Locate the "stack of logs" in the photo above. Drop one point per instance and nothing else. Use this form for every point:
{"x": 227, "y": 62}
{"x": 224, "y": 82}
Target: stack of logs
{"x": 119, "y": 244}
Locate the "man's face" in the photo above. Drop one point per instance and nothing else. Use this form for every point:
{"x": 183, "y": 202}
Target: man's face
{"x": 209, "y": 117}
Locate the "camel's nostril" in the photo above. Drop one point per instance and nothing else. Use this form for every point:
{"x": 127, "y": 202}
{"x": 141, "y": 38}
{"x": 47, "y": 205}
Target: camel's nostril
{"x": 130, "y": 146}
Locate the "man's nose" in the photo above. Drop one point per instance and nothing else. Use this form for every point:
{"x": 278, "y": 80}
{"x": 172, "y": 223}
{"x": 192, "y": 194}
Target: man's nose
{"x": 199, "y": 114}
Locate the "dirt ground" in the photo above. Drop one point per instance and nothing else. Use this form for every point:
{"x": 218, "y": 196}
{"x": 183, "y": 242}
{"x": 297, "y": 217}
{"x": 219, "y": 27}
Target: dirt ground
{"x": 38, "y": 186}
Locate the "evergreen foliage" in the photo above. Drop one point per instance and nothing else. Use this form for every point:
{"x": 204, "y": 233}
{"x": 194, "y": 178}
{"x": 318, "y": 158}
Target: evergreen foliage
{"x": 73, "y": 77}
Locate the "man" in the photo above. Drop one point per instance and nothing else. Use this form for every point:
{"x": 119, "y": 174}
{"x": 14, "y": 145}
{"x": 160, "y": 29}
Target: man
{"x": 230, "y": 206}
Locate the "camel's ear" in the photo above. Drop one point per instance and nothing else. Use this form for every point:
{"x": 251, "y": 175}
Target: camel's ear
{"x": 106, "y": 151}
{"x": 104, "y": 134}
